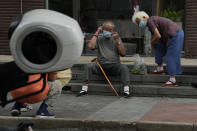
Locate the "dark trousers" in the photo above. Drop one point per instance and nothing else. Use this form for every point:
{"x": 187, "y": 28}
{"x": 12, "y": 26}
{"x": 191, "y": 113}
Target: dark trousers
{"x": 110, "y": 69}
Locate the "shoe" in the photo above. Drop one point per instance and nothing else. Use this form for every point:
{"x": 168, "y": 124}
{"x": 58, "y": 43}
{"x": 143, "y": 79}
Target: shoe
{"x": 26, "y": 107}
{"x": 66, "y": 88}
{"x": 127, "y": 94}
{"x": 15, "y": 111}
{"x": 155, "y": 72}
{"x": 170, "y": 84}
{"x": 82, "y": 93}
{"x": 43, "y": 112}
{"x": 44, "y": 115}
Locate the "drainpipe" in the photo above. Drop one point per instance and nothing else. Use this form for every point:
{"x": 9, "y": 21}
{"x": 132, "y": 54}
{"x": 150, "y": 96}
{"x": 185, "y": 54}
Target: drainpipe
{"x": 21, "y": 6}
{"x": 76, "y": 9}
{"x": 47, "y": 4}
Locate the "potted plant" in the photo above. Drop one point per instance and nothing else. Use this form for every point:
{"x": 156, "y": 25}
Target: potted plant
{"x": 173, "y": 15}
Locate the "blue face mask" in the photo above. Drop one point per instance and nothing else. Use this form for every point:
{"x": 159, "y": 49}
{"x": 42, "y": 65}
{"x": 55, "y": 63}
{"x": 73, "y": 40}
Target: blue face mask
{"x": 106, "y": 34}
{"x": 142, "y": 24}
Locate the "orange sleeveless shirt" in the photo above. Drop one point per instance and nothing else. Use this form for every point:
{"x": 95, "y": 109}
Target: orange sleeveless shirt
{"x": 31, "y": 89}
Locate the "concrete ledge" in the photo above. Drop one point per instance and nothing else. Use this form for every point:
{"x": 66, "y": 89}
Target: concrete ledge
{"x": 186, "y": 69}
{"x": 139, "y": 90}
{"x": 89, "y": 125}
{"x": 70, "y": 124}
{"x": 181, "y": 79}
{"x": 164, "y": 126}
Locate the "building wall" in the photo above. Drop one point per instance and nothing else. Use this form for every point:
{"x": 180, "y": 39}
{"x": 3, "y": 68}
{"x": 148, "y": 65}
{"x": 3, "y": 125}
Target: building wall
{"x": 9, "y": 9}
{"x": 191, "y": 28}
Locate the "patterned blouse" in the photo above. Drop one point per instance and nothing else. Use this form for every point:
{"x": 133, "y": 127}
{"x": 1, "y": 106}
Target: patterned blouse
{"x": 167, "y": 28}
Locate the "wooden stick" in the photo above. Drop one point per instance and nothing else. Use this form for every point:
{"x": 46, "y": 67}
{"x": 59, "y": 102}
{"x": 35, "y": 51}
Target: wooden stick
{"x": 95, "y": 60}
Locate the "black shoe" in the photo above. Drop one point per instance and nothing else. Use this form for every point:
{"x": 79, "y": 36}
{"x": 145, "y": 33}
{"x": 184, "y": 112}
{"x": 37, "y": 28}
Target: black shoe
{"x": 66, "y": 88}
{"x": 126, "y": 95}
{"x": 82, "y": 93}
{"x": 15, "y": 111}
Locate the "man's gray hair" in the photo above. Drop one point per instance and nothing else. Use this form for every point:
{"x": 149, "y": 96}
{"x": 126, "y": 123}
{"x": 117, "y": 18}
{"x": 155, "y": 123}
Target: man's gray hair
{"x": 139, "y": 15}
{"x": 104, "y": 23}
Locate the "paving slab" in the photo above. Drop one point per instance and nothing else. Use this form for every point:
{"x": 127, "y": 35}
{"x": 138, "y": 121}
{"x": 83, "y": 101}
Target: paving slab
{"x": 101, "y": 109}
{"x": 172, "y": 112}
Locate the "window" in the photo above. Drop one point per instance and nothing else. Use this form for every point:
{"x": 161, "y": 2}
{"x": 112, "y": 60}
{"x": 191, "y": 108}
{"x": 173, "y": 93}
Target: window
{"x": 63, "y": 6}
{"x": 94, "y": 10}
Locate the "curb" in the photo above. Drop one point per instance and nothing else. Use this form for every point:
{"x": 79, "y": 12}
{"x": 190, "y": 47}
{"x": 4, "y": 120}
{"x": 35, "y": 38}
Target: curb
{"x": 164, "y": 126}
{"x": 89, "y": 125}
{"x": 70, "y": 124}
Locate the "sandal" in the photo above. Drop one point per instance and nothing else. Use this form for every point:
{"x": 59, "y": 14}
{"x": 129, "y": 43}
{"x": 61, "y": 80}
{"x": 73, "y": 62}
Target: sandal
{"x": 157, "y": 72}
{"x": 170, "y": 84}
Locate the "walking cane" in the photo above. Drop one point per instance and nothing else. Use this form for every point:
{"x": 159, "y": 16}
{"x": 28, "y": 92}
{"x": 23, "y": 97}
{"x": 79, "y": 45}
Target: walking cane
{"x": 95, "y": 60}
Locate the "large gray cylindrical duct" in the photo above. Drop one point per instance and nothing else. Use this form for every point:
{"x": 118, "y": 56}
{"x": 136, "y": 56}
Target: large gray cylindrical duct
{"x": 46, "y": 41}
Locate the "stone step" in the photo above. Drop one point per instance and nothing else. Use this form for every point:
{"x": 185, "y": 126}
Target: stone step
{"x": 186, "y": 70}
{"x": 139, "y": 90}
{"x": 77, "y": 77}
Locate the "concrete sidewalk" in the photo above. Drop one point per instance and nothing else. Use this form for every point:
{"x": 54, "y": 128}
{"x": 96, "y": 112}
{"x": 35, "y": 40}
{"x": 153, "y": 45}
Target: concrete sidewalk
{"x": 103, "y": 109}
{"x": 106, "y": 113}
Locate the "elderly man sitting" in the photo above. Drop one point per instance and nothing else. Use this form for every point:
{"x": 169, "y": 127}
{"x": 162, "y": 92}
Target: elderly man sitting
{"x": 110, "y": 48}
